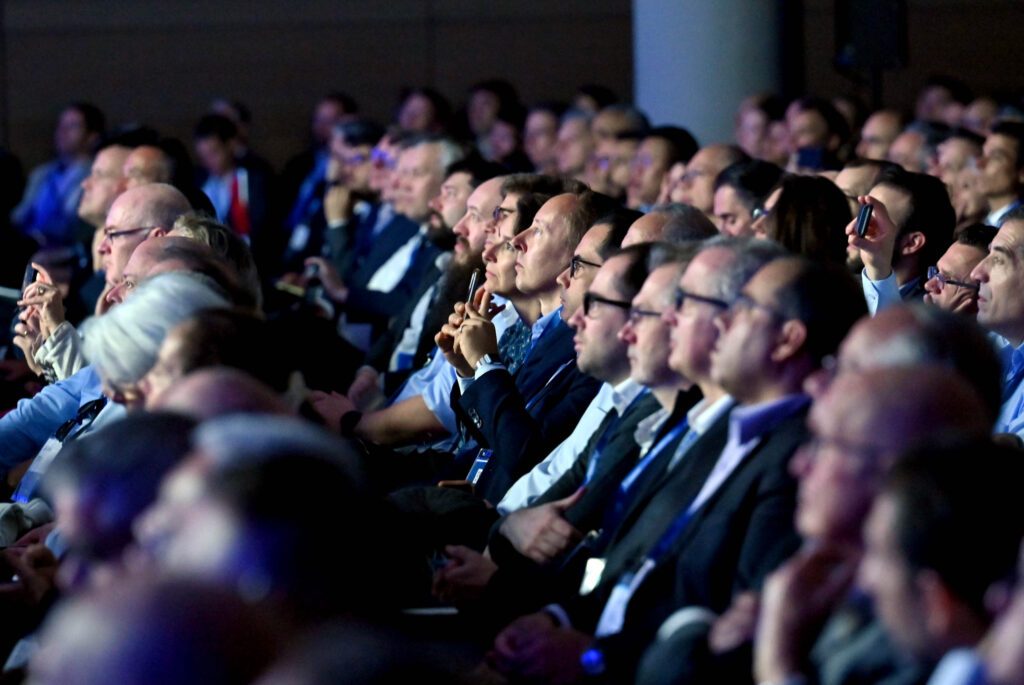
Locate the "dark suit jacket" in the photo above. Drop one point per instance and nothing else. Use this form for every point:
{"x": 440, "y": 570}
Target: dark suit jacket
{"x": 369, "y": 252}
{"x": 741, "y": 534}
{"x": 379, "y": 354}
{"x": 523, "y": 418}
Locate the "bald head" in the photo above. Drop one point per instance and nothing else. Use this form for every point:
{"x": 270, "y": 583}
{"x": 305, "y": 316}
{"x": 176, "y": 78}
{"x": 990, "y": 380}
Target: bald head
{"x": 218, "y": 391}
{"x": 896, "y": 408}
{"x": 914, "y": 335}
{"x": 137, "y": 214}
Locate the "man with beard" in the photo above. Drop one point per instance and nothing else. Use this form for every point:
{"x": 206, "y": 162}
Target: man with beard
{"x": 460, "y": 215}
{"x": 394, "y": 259}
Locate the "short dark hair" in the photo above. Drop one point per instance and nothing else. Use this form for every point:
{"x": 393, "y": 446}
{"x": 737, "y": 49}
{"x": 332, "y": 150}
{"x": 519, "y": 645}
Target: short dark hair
{"x": 826, "y": 299}
{"x": 955, "y": 342}
{"x": 810, "y": 218}
{"x": 361, "y": 132}
{"x": 685, "y": 222}
{"x": 979, "y": 236}
{"x": 834, "y": 121}
{"x": 619, "y": 219}
{"x": 602, "y": 95}
{"x": 931, "y": 212}
{"x": 636, "y": 272}
{"x": 223, "y": 337}
{"x": 478, "y": 168}
{"x": 92, "y": 116}
{"x": 533, "y": 191}
{"x": 346, "y": 101}
{"x": 753, "y": 180}
{"x": 588, "y": 206}
{"x": 1015, "y": 130}
{"x": 215, "y": 125}
{"x": 682, "y": 146}
{"x": 959, "y": 514}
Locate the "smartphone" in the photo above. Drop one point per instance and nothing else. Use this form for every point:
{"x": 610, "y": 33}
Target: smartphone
{"x": 31, "y": 274}
{"x": 863, "y": 219}
{"x": 473, "y": 280}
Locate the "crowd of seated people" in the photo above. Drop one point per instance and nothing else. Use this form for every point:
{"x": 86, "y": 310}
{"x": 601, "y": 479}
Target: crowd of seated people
{"x": 518, "y": 392}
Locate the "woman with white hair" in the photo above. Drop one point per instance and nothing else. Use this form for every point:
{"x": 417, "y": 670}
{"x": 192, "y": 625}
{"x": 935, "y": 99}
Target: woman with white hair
{"x": 123, "y": 343}
{"x": 122, "y": 346}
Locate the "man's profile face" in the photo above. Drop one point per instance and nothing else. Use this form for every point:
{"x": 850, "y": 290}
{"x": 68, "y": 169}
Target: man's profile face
{"x": 998, "y": 164}
{"x": 877, "y": 134}
{"x": 693, "y": 331}
{"x": 742, "y": 356}
{"x": 215, "y": 155}
{"x": 471, "y": 230}
{"x": 956, "y": 265}
{"x": 574, "y": 147}
{"x": 733, "y": 216}
{"x": 544, "y": 249}
{"x": 647, "y": 332}
{"x": 417, "y": 180}
{"x": 698, "y": 184}
{"x": 103, "y": 184}
{"x": 809, "y": 129}
{"x": 598, "y": 349}
{"x": 573, "y": 287}
{"x": 650, "y": 163}
{"x": 71, "y": 137}
{"x": 117, "y": 244}
{"x": 838, "y": 467}
{"x": 1001, "y": 275}
{"x": 450, "y": 203}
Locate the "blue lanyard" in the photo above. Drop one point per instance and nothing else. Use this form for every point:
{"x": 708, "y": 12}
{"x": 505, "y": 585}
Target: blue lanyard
{"x": 606, "y": 436}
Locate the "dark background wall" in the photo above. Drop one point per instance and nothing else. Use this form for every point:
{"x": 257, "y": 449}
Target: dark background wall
{"x": 162, "y": 61}
{"x": 977, "y": 41}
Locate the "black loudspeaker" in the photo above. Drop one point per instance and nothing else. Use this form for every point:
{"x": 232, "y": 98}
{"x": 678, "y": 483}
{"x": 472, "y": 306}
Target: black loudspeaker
{"x": 871, "y": 34}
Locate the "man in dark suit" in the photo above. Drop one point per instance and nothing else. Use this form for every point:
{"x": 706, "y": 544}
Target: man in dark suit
{"x": 721, "y": 520}
{"x": 523, "y": 417}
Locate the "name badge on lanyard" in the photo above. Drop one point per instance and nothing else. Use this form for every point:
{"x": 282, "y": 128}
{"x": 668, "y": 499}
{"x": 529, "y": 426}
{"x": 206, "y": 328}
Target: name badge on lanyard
{"x": 479, "y": 464}
{"x": 592, "y": 575}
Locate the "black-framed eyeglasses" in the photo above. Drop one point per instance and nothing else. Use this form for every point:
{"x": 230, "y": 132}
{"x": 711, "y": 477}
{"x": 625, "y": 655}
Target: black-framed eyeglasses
{"x": 107, "y": 233}
{"x": 933, "y": 272}
{"x": 590, "y": 298}
{"x": 746, "y": 302}
{"x": 683, "y": 295}
{"x": 577, "y": 262}
{"x": 637, "y": 315}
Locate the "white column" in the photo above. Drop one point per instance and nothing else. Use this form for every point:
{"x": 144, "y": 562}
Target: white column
{"x": 695, "y": 60}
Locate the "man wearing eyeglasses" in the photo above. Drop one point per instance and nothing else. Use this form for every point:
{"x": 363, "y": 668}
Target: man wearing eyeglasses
{"x": 857, "y": 429}
{"x": 949, "y": 283}
{"x": 731, "y": 522}
{"x": 911, "y": 226}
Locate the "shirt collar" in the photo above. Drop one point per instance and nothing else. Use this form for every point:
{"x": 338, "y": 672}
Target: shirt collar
{"x": 748, "y": 423}
{"x": 702, "y": 415}
{"x": 649, "y": 427}
{"x": 625, "y": 393}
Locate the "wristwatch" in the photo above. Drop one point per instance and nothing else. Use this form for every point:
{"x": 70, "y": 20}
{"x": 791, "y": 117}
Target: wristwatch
{"x": 487, "y": 359}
